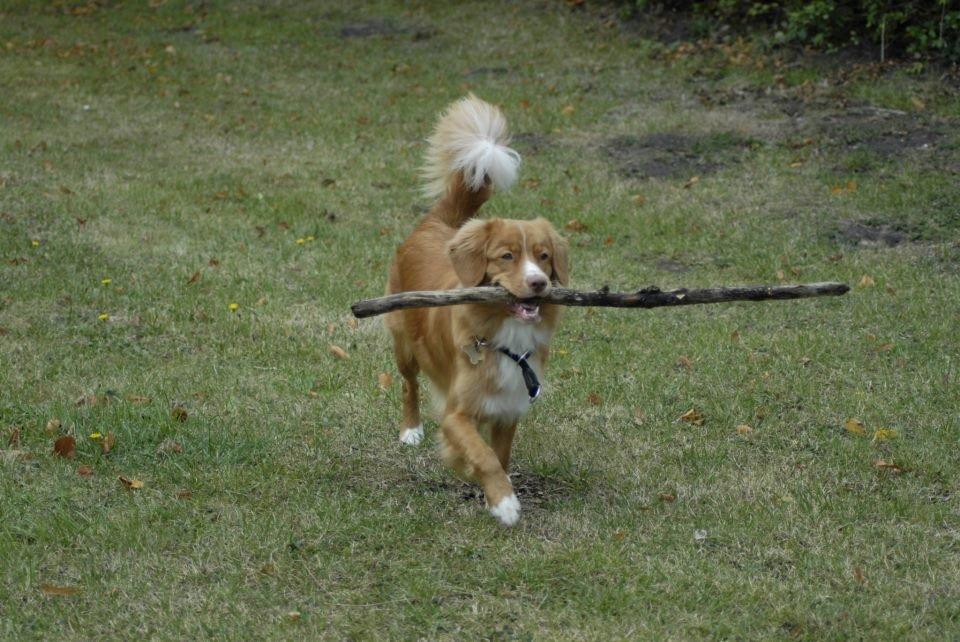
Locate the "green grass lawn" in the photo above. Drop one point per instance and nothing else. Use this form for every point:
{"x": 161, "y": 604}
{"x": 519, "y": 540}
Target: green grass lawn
{"x": 161, "y": 164}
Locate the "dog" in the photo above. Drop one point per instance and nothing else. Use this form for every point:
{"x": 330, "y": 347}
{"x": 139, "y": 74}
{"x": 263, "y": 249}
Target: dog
{"x": 485, "y": 360}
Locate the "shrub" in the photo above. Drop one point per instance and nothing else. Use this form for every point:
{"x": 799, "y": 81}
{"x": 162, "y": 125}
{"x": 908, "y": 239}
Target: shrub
{"x": 919, "y": 28}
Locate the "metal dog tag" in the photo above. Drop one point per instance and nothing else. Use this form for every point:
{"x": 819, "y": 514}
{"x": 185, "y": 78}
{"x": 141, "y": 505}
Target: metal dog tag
{"x": 474, "y": 350}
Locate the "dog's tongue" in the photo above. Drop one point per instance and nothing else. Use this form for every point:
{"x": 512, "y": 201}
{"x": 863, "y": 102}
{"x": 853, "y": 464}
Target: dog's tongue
{"x": 524, "y": 311}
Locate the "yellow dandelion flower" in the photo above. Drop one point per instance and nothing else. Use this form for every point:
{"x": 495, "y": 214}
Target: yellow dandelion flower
{"x": 234, "y": 307}
{"x": 106, "y": 281}
{"x": 104, "y": 316}
{"x": 95, "y": 436}
{"x": 35, "y": 243}
{"x": 301, "y": 241}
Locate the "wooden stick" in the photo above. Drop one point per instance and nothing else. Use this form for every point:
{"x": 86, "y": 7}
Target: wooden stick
{"x": 651, "y": 297}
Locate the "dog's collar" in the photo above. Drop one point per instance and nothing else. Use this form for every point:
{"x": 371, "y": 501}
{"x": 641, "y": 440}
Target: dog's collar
{"x": 529, "y": 376}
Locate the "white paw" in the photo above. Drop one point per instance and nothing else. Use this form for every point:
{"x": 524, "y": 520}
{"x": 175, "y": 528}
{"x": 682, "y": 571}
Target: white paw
{"x": 412, "y": 436}
{"x": 507, "y": 511}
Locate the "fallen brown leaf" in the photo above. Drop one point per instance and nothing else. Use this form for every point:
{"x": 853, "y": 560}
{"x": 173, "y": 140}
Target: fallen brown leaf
{"x": 138, "y": 399}
{"x": 184, "y": 494}
{"x": 594, "y": 399}
{"x": 855, "y": 426}
{"x": 84, "y": 471}
{"x": 14, "y": 439}
{"x": 179, "y": 413}
{"x": 889, "y": 465}
{"x": 133, "y": 484}
{"x": 338, "y": 352}
{"x": 858, "y": 575}
{"x": 667, "y": 497}
{"x": 639, "y": 416}
{"x": 685, "y": 362}
{"x": 690, "y": 183}
{"x": 866, "y": 281}
{"x": 194, "y": 278}
{"x": 385, "y": 380}
{"x": 60, "y": 591}
{"x": 65, "y": 447}
{"x": 744, "y": 429}
{"x": 574, "y": 225}
{"x": 169, "y": 447}
{"x": 692, "y": 416}
{"x": 107, "y": 443}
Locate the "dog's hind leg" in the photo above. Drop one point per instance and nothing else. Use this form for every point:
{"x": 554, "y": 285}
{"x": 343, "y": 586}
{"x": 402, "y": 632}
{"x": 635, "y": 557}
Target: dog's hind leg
{"x": 501, "y": 439}
{"x": 466, "y": 450}
{"x": 411, "y": 432}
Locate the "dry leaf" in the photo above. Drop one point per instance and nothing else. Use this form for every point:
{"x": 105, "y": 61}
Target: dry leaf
{"x": 61, "y": 591}
{"x": 693, "y": 417}
{"x": 685, "y": 362}
{"x": 568, "y": 110}
{"x": 639, "y": 416}
{"x": 855, "y": 426}
{"x": 866, "y": 281}
{"x": 138, "y": 399}
{"x": 84, "y": 471}
{"x": 385, "y": 379}
{"x": 338, "y": 352}
{"x": 889, "y": 465}
{"x": 107, "y": 443}
{"x": 169, "y": 447}
{"x": 690, "y": 183}
{"x": 184, "y": 494}
{"x": 858, "y": 575}
{"x": 179, "y": 413}
{"x": 744, "y": 429}
{"x": 918, "y": 104}
{"x": 133, "y": 484}
{"x": 574, "y": 225}
{"x": 884, "y": 347}
{"x": 594, "y": 399}
{"x": 331, "y": 327}
{"x": 638, "y": 199}
{"x": 14, "y": 439}
{"x": 352, "y": 323}
{"x": 194, "y": 278}
{"x": 52, "y": 426}
{"x": 667, "y": 497}
{"x": 735, "y": 336}
{"x": 884, "y": 434}
{"x": 65, "y": 447}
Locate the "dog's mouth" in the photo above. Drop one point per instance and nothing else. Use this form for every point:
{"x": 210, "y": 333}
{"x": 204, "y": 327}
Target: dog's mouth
{"x": 524, "y": 311}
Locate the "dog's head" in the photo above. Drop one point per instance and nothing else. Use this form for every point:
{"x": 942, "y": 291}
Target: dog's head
{"x": 525, "y": 257}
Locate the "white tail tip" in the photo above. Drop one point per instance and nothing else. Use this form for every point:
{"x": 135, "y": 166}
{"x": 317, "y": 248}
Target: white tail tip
{"x": 471, "y": 137}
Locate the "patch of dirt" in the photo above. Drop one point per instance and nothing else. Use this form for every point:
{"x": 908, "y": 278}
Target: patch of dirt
{"x": 486, "y": 71}
{"x": 383, "y": 27}
{"x": 872, "y": 233}
{"x": 531, "y": 143}
{"x": 882, "y": 132}
{"x": 674, "y": 155}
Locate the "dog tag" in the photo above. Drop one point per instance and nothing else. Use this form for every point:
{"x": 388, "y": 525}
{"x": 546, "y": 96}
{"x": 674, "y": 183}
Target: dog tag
{"x": 474, "y": 351}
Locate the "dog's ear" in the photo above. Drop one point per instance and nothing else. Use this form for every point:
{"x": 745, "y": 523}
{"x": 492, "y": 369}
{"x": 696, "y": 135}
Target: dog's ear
{"x": 468, "y": 252}
{"x": 560, "y": 257}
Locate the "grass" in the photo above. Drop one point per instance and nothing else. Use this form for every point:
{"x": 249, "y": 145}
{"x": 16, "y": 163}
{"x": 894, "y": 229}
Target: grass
{"x": 149, "y": 145}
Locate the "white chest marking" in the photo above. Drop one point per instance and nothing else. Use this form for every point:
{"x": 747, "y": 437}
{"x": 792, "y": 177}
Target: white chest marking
{"x": 511, "y": 400}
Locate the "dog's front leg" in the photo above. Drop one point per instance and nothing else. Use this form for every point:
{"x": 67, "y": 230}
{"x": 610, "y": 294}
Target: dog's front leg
{"x": 467, "y": 452}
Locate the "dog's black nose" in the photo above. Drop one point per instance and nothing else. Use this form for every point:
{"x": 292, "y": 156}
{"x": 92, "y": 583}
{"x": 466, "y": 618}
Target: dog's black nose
{"x": 538, "y": 284}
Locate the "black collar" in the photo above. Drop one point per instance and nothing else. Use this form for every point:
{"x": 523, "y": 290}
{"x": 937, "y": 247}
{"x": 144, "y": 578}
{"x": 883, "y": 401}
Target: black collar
{"x": 529, "y": 376}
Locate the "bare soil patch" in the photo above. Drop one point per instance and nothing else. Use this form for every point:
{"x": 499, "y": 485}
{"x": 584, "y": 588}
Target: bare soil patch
{"x": 672, "y": 155}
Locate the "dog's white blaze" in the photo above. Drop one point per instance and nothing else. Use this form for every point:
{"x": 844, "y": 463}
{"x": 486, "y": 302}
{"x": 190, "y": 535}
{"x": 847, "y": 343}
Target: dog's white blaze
{"x": 412, "y": 436}
{"x": 531, "y": 269}
{"x": 507, "y": 510}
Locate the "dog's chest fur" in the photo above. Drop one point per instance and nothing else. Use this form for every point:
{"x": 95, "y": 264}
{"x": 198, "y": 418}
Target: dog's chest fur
{"x": 509, "y": 400}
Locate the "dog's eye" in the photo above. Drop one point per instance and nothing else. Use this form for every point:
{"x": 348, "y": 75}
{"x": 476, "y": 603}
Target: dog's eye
{"x": 507, "y": 257}
{"x": 544, "y": 256}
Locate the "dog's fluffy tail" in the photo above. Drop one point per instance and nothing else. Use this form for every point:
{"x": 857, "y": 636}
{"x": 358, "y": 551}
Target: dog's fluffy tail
{"x": 468, "y": 153}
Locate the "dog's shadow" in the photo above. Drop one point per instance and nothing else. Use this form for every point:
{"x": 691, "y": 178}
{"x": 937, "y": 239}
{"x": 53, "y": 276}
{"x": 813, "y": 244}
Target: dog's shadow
{"x": 532, "y": 489}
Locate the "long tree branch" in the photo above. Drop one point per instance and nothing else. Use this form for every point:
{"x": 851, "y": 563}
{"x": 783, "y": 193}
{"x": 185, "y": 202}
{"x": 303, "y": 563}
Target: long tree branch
{"x": 651, "y": 297}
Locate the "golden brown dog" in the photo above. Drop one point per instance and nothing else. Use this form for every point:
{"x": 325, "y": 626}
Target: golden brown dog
{"x": 485, "y": 360}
